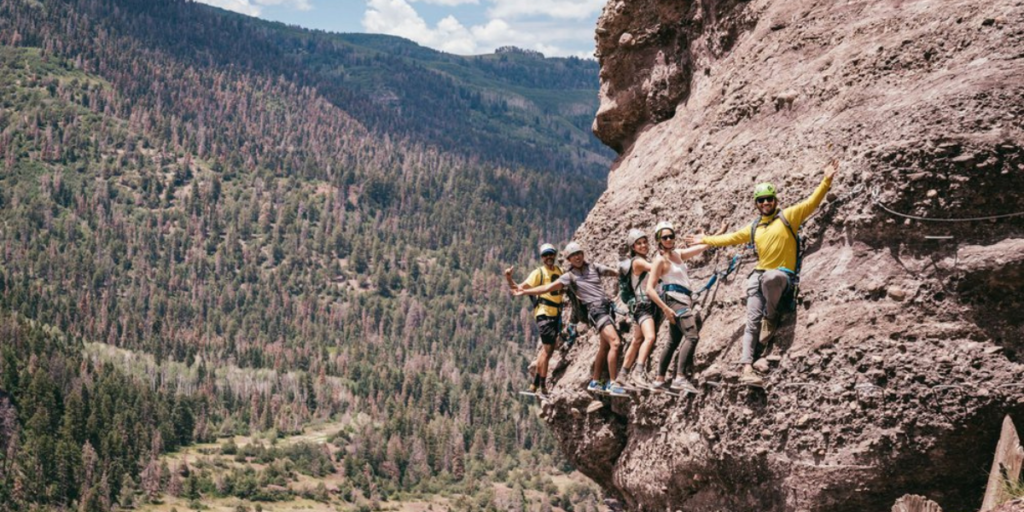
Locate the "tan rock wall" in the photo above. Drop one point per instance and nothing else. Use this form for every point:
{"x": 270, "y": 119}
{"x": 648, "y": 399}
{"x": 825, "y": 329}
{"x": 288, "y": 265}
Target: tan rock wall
{"x": 900, "y": 363}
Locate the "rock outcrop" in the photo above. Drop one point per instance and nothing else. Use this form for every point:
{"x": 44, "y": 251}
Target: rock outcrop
{"x": 895, "y": 373}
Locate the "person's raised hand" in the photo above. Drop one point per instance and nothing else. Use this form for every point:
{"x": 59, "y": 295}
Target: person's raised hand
{"x": 831, "y": 168}
{"x": 693, "y": 239}
{"x": 508, "y": 271}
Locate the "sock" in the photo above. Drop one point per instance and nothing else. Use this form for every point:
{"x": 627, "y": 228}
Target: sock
{"x": 537, "y": 380}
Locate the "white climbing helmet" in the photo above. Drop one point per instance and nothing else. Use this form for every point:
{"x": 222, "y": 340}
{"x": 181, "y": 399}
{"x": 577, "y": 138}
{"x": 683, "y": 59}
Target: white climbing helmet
{"x": 663, "y": 225}
{"x": 572, "y": 248}
{"x": 633, "y": 236}
{"x": 547, "y": 249}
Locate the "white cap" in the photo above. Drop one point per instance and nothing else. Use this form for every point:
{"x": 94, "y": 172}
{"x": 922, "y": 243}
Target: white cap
{"x": 548, "y": 248}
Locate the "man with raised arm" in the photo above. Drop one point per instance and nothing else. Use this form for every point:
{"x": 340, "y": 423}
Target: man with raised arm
{"x": 775, "y": 243}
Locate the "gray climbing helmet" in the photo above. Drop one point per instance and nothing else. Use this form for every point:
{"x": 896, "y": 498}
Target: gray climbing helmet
{"x": 633, "y": 236}
{"x": 572, "y": 248}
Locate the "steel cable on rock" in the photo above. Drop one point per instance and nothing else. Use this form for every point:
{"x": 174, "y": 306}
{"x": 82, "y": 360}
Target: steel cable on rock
{"x": 876, "y": 202}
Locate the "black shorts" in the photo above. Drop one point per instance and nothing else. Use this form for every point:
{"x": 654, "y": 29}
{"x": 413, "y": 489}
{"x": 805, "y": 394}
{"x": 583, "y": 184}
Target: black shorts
{"x": 601, "y": 314}
{"x": 548, "y": 326}
{"x": 644, "y": 310}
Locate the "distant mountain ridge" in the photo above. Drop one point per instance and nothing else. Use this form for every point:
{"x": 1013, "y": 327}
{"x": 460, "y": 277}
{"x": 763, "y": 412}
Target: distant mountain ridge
{"x": 510, "y": 108}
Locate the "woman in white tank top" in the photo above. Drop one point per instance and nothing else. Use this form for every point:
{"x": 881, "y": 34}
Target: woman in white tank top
{"x": 668, "y": 286}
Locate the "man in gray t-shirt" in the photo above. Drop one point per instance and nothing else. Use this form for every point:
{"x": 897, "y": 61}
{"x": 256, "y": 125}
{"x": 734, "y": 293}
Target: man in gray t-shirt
{"x": 584, "y": 280}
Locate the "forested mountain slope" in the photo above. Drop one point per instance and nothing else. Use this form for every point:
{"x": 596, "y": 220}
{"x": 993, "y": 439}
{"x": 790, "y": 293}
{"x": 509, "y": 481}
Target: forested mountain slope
{"x": 261, "y": 249}
{"x": 511, "y": 108}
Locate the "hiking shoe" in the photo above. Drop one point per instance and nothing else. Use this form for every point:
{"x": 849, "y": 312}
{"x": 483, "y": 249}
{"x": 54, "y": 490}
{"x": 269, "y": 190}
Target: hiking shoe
{"x": 533, "y": 388}
{"x": 615, "y": 389}
{"x": 768, "y": 328}
{"x": 752, "y": 379}
{"x": 639, "y": 379}
{"x": 543, "y": 391}
{"x": 683, "y": 384}
{"x": 660, "y": 385}
{"x": 596, "y": 386}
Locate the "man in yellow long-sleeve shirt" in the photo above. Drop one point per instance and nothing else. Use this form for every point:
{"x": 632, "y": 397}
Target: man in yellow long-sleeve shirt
{"x": 776, "y": 247}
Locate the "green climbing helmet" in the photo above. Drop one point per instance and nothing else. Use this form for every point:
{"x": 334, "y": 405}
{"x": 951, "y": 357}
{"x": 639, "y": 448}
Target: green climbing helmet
{"x": 764, "y": 190}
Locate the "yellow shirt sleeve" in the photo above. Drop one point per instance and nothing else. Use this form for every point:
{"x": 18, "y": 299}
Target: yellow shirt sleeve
{"x": 739, "y": 237}
{"x": 534, "y": 279}
{"x": 798, "y": 213}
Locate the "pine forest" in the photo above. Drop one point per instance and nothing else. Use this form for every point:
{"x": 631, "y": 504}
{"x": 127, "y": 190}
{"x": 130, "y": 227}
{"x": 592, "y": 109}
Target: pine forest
{"x": 214, "y": 226}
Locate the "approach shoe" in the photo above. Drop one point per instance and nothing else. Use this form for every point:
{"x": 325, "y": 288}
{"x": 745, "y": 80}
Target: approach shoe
{"x": 615, "y": 389}
{"x": 752, "y": 379}
{"x": 639, "y": 379}
{"x": 596, "y": 386}
{"x": 683, "y": 384}
{"x": 660, "y": 385}
{"x": 768, "y": 328}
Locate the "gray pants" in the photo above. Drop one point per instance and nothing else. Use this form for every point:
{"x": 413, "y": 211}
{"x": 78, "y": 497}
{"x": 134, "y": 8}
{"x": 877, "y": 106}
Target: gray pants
{"x": 764, "y": 290}
{"x": 684, "y": 330}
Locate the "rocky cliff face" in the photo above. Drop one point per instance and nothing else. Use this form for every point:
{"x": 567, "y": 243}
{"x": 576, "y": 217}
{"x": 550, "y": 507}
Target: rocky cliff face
{"x": 896, "y": 371}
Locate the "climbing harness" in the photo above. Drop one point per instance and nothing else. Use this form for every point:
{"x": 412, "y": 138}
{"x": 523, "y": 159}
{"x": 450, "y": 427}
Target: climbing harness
{"x": 676, "y": 288}
{"x": 791, "y": 297}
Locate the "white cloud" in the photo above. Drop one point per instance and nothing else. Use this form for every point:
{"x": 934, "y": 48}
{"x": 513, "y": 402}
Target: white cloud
{"x": 255, "y": 7}
{"x": 399, "y": 18}
{"x": 450, "y": 3}
{"x": 562, "y": 9}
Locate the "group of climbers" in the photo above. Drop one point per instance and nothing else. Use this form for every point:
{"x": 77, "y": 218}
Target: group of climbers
{"x": 661, "y": 290}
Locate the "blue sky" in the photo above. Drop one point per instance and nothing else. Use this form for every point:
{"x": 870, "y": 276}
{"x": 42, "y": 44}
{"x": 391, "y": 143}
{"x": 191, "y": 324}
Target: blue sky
{"x": 464, "y": 27}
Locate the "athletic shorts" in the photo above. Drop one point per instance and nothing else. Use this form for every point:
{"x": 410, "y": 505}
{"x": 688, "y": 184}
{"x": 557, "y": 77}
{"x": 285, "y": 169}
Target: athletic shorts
{"x": 548, "y": 326}
{"x": 601, "y": 314}
{"x": 644, "y": 310}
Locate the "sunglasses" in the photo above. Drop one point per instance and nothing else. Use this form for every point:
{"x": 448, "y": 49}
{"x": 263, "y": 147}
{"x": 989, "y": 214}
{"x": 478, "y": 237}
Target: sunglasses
{"x": 761, "y": 200}
{"x": 668, "y": 237}
{"x": 548, "y": 255}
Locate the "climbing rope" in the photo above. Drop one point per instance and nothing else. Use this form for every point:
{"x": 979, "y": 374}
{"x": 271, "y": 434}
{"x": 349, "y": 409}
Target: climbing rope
{"x": 716, "y": 275}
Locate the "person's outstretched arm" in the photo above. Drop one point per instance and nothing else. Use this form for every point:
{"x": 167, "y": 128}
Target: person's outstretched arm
{"x": 693, "y": 251}
{"x": 738, "y": 237}
{"x": 799, "y": 212}
{"x": 640, "y": 265}
{"x": 539, "y": 290}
